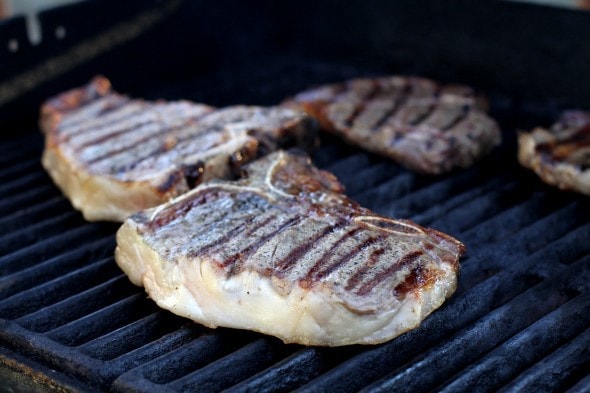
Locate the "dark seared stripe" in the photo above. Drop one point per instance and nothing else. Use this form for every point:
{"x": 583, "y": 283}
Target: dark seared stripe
{"x": 235, "y": 231}
{"x": 431, "y": 108}
{"x": 81, "y": 129}
{"x": 204, "y": 228}
{"x": 157, "y": 134}
{"x": 347, "y": 257}
{"x": 237, "y": 259}
{"x": 465, "y": 110}
{"x": 163, "y": 149}
{"x": 375, "y": 90}
{"x": 399, "y": 103}
{"x": 112, "y": 103}
{"x": 360, "y": 273}
{"x": 128, "y": 128}
{"x": 319, "y": 263}
{"x": 298, "y": 252}
{"x": 406, "y": 260}
{"x": 171, "y": 213}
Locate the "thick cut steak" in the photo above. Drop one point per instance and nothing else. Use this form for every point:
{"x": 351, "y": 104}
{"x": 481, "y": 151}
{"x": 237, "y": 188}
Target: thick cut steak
{"x": 284, "y": 252}
{"x": 113, "y": 156}
{"x": 425, "y": 126}
{"x": 560, "y": 156}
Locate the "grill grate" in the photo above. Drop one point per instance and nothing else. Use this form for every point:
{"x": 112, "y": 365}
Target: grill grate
{"x": 518, "y": 321}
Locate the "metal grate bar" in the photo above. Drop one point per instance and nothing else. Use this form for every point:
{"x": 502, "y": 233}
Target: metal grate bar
{"x": 57, "y": 289}
{"x": 540, "y": 338}
{"x": 473, "y": 342}
{"x": 28, "y": 198}
{"x": 19, "y": 169}
{"x": 484, "y": 297}
{"x": 570, "y": 363}
{"x": 23, "y": 183}
{"x": 100, "y": 322}
{"x": 544, "y": 261}
{"x": 75, "y": 307}
{"x": 158, "y": 348}
{"x": 132, "y": 336}
{"x": 300, "y": 367}
{"x": 509, "y": 221}
{"x": 199, "y": 352}
{"x": 367, "y": 178}
{"x": 582, "y": 386}
{"x": 33, "y": 214}
{"x": 50, "y": 247}
{"x": 54, "y": 267}
{"x": 225, "y": 372}
{"x": 452, "y": 203}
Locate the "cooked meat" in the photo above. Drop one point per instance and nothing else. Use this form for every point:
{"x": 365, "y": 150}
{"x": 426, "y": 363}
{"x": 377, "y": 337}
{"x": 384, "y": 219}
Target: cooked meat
{"x": 561, "y": 154}
{"x": 424, "y": 126}
{"x": 282, "y": 251}
{"x": 113, "y": 156}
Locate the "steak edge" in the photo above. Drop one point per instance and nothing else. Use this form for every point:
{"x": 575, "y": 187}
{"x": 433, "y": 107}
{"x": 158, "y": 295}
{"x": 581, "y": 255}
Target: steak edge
{"x": 425, "y": 126}
{"x": 560, "y": 156}
{"x": 284, "y": 252}
{"x": 112, "y": 155}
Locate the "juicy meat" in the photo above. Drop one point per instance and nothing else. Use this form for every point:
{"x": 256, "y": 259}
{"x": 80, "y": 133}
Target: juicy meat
{"x": 113, "y": 156}
{"x": 425, "y": 126}
{"x": 284, "y": 252}
{"x": 560, "y": 156}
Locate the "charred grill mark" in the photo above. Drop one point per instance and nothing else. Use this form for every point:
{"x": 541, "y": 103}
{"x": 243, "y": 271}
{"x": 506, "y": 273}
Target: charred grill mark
{"x": 133, "y": 126}
{"x": 234, "y": 261}
{"x": 170, "y": 213}
{"x": 315, "y": 269}
{"x": 158, "y": 134}
{"x": 406, "y": 260}
{"x": 240, "y": 228}
{"x": 399, "y": 103}
{"x": 360, "y": 273}
{"x": 375, "y": 89}
{"x": 431, "y": 108}
{"x": 465, "y": 109}
{"x": 348, "y": 256}
{"x": 115, "y": 122}
{"x": 298, "y": 252}
{"x": 418, "y": 277}
{"x": 162, "y": 149}
{"x": 112, "y": 104}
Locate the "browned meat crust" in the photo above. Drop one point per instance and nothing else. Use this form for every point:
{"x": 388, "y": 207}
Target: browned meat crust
{"x": 427, "y": 127}
{"x": 560, "y": 156}
{"x": 113, "y": 155}
{"x": 284, "y": 252}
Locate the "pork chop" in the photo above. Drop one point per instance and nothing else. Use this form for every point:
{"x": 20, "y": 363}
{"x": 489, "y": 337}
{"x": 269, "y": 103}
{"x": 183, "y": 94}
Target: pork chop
{"x": 427, "y": 127}
{"x": 284, "y": 252}
{"x": 112, "y": 155}
{"x": 560, "y": 156}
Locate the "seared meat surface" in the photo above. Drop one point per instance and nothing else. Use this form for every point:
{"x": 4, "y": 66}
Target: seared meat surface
{"x": 427, "y": 127}
{"x": 284, "y": 252}
{"x": 113, "y": 156}
{"x": 560, "y": 156}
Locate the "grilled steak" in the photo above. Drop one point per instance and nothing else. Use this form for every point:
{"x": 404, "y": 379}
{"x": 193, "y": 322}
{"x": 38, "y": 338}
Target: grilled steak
{"x": 113, "y": 156}
{"x": 282, "y": 251}
{"x": 427, "y": 127}
{"x": 560, "y": 156}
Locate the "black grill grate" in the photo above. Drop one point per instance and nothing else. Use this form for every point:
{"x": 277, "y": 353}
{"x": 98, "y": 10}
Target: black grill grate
{"x": 519, "y": 320}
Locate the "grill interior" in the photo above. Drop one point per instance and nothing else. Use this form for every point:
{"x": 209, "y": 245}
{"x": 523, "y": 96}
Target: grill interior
{"x": 519, "y": 320}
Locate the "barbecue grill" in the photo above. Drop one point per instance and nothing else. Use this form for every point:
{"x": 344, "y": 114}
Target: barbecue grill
{"x": 519, "y": 321}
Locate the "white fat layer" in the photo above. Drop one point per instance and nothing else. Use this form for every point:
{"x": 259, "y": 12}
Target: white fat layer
{"x": 198, "y": 290}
